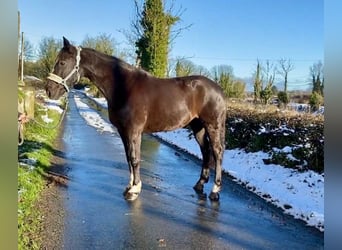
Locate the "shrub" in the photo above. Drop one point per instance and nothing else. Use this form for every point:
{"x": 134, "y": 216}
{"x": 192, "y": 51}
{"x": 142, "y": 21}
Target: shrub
{"x": 254, "y": 130}
{"x": 315, "y": 101}
{"x": 283, "y": 97}
{"x": 266, "y": 95}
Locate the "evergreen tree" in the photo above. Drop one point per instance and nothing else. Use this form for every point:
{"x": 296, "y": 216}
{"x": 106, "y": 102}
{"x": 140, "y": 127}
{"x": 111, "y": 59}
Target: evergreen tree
{"x": 283, "y": 98}
{"x": 316, "y": 100}
{"x": 266, "y": 94}
{"x": 316, "y": 72}
{"x": 153, "y": 44}
{"x": 257, "y": 82}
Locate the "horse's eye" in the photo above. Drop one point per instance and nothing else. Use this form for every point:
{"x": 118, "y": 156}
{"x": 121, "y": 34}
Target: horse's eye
{"x": 62, "y": 63}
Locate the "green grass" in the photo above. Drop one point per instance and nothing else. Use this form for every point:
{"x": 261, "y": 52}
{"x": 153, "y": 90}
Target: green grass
{"x": 34, "y": 159}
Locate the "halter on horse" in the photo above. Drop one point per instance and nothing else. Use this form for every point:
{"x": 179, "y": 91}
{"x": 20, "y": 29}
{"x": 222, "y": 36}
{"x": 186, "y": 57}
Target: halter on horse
{"x": 141, "y": 103}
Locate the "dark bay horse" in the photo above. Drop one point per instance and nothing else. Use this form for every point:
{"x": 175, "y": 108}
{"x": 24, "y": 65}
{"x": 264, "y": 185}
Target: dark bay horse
{"x": 139, "y": 102}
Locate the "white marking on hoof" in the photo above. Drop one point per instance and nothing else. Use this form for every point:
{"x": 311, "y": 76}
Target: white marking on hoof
{"x": 131, "y": 196}
{"x": 131, "y": 178}
{"x": 135, "y": 188}
{"x": 133, "y": 192}
{"x": 216, "y": 188}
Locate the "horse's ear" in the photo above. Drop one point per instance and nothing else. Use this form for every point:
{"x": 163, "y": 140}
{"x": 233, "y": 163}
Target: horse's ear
{"x": 66, "y": 43}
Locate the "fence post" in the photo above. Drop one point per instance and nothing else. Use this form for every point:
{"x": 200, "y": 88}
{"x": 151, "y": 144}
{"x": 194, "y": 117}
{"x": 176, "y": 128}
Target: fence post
{"x": 27, "y": 104}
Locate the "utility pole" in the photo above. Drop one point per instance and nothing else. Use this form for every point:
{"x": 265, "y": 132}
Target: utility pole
{"x": 22, "y": 58}
{"x": 18, "y": 33}
{"x": 18, "y": 39}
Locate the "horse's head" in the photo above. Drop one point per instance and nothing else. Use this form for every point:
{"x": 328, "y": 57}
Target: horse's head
{"x": 65, "y": 72}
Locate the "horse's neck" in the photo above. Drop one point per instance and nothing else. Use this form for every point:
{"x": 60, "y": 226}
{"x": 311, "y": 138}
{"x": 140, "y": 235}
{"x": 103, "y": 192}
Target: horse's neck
{"x": 94, "y": 68}
{"x": 109, "y": 74}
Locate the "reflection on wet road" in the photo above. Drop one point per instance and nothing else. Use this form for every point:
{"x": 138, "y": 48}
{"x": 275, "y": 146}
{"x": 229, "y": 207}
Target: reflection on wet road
{"x": 167, "y": 214}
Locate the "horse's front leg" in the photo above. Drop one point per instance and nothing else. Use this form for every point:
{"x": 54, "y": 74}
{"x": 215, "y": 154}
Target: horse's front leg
{"x": 132, "y": 147}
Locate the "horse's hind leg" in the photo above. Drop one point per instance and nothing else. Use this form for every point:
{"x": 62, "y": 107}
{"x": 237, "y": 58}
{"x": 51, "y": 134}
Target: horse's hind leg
{"x": 216, "y": 134}
{"x": 203, "y": 141}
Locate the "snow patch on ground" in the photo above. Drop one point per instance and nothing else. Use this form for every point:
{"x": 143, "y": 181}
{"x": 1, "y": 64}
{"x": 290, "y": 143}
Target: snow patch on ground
{"x": 46, "y": 119}
{"x": 54, "y": 105}
{"x": 92, "y": 117}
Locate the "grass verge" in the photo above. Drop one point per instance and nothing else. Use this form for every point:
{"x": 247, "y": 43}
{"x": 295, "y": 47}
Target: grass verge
{"x": 33, "y": 160}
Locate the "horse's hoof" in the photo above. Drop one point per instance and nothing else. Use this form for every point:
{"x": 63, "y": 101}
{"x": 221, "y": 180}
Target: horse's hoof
{"x": 214, "y": 196}
{"x": 202, "y": 196}
{"x": 198, "y": 188}
{"x": 126, "y": 191}
{"x": 132, "y": 192}
{"x": 215, "y": 205}
{"x": 131, "y": 196}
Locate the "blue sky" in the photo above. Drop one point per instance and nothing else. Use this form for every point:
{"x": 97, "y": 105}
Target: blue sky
{"x": 233, "y": 32}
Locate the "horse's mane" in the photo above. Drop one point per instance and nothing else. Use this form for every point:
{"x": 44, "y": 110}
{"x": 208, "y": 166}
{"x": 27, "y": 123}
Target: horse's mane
{"x": 118, "y": 61}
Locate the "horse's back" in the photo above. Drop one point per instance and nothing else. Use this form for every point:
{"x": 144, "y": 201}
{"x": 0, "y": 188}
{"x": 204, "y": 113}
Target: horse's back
{"x": 187, "y": 98}
{"x": 209, "y": 95}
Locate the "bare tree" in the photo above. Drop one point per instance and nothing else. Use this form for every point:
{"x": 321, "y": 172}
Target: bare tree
{"x": 201, "y": 70}
{"x": 285, "y": 66}
{"x": 29, "y": 52}
{"x": 222, "y": 71}
{"x": 184, "y": 67}
{"x": 269, "y": 72}
{"x": 223, "y": 75}
{"x": 48, "y": 51}
{"x": 104, "y": 43}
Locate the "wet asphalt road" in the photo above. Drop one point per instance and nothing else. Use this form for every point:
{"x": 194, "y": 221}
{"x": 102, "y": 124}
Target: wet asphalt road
{"x": 168, "y": 214}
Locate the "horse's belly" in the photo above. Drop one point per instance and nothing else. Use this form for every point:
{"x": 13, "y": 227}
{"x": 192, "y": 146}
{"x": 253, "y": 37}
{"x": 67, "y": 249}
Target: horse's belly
{"x": 167, "y": 123}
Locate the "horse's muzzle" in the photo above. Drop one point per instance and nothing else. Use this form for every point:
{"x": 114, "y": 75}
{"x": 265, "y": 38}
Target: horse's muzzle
{"x": 53, "y": 90}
